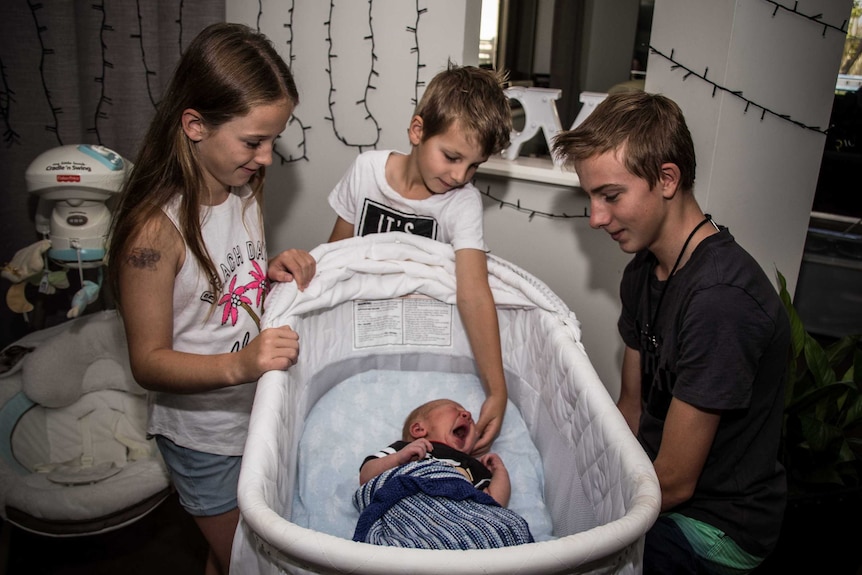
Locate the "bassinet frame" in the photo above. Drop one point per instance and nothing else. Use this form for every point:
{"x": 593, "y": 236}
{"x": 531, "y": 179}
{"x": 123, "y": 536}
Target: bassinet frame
{"x": 566, "y": 408}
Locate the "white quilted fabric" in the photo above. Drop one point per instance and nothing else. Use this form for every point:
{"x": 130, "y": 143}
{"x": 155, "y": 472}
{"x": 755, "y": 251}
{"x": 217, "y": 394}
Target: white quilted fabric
{"x": 600, "y": 487}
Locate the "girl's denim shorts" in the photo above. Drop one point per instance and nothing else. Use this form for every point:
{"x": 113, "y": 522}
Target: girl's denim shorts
{"x": 206, "y": 483}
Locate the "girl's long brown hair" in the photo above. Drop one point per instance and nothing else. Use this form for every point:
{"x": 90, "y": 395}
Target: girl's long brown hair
{"x": 226, "y": 71}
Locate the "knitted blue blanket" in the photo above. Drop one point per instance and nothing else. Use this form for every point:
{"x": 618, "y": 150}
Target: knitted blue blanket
{"x": 429, "y": 505}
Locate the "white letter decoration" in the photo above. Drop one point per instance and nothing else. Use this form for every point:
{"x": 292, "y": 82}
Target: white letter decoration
{"x": 540, "y": 113}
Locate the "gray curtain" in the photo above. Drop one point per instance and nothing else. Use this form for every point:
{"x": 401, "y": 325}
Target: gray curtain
{"x": 78, "y": 72}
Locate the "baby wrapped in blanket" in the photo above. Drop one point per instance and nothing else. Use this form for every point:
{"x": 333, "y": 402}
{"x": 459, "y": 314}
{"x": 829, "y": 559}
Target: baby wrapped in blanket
{"x": 427, "y": 492}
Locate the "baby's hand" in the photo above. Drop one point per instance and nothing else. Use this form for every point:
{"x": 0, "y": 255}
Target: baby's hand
{"x": 500, "y": 487}
{"x": 415, "y": 451}
{"x": 493, "y": 462}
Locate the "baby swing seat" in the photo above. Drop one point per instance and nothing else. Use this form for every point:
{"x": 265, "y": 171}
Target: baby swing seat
{"x": 74, "y": 456}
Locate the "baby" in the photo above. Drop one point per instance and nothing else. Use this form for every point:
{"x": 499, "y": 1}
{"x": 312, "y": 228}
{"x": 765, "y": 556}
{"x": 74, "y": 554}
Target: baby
{"x": 443, "y": 430}
{"x": 426, "y": 491}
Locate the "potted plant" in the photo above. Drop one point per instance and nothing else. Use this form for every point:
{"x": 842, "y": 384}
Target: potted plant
{"x": 822, "y": 436}
{"x": 822, "y": 453}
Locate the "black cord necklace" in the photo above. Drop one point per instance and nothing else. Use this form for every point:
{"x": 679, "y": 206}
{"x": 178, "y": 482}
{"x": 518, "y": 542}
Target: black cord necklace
{"x": 650, "y": 327}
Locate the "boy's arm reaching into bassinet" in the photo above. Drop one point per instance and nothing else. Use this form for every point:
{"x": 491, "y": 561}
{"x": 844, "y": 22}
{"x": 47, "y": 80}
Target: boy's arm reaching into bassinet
{"x": 412, "y": 452}
{"x": 479, "y": 316}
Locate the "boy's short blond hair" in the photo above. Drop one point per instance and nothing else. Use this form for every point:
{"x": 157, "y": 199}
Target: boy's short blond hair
{"x": 473, "y": 97}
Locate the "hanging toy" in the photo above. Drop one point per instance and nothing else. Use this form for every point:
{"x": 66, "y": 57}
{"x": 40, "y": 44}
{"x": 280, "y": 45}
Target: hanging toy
{"x": 88, "y": 293}
{"x": 83, "y": 297}
{"x": 28, "y": 266}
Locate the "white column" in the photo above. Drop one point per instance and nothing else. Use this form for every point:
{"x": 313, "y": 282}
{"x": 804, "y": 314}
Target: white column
{"x": 757, "y": 171}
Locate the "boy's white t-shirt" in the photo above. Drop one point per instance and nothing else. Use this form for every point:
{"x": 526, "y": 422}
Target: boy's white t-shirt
{"x": 364, "y": 198}
{"x": 216, "y": 421}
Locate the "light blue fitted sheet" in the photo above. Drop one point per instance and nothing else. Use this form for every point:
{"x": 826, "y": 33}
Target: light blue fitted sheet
{"x": 364, "y": 413}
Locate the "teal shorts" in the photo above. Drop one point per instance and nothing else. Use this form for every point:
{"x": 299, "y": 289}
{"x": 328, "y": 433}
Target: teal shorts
{"x": 715, "y": 548}
{"x": 206, "y": 483}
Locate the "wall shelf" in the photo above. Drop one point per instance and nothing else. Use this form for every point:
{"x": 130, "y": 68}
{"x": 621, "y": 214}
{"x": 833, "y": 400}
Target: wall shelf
{"x": 540, "y": 170}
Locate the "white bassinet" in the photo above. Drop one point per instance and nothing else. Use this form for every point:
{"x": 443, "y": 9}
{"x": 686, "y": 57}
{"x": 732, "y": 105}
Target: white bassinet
{"x": 599, "y": 487}
{"x": 74, "y": 456}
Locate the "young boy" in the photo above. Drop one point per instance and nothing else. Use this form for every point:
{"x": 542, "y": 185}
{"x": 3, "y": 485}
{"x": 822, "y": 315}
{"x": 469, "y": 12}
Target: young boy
{"x": 706, "y": 336}
{"x": 462, "y": 118}
{"x": 427, "y": 492}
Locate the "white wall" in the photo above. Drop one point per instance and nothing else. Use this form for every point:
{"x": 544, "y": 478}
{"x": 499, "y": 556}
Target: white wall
{"x": 756, "y": 176}
{"x": 297, "y": 214}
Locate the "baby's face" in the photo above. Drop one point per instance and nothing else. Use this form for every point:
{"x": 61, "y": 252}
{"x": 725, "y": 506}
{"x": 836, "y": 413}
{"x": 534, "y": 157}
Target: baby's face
{"x": 453, "y": 425}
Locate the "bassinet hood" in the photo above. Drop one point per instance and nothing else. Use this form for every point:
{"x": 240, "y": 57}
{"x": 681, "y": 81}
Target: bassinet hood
{"x": 396, "y": 264}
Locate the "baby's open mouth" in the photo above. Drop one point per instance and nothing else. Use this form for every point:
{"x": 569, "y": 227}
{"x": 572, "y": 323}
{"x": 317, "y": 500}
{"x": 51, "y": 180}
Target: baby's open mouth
{"x": 460, "y": 432}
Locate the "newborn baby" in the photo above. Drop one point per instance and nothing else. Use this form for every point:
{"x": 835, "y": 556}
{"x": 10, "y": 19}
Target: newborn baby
{"x": 427, "y": 491}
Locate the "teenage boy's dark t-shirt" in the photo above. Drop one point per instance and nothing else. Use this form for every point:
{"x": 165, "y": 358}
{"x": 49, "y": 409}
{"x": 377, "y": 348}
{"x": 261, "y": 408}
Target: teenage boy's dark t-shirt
{"x": 723, "y": 339}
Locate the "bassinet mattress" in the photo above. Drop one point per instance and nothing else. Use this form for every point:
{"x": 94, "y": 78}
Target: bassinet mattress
{"x": 364, "y": 413}
{"x": 599, "y": 487}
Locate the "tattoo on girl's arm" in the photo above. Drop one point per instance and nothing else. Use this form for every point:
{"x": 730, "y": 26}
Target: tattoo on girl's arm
{"x": 144, "y": 258}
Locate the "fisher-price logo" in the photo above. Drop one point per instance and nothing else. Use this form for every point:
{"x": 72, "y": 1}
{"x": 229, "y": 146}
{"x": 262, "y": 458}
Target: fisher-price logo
{"x": 68, "y": 178}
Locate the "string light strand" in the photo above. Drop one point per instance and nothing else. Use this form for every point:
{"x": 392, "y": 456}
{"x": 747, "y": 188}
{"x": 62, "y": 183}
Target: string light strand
{"x": 764, "y": 111}
{"x": 140, "y": 38}
{"x": 530, "y": 212}
{"x": 303, "y": 143}
{"x": 331, "y": 56}
{"x": 7, "y": 98}
{"x": 815, "y": 18}
{"x": 104, "y": 100}
{"x": 45, "y": 51}
{"x": 415, "y": 50}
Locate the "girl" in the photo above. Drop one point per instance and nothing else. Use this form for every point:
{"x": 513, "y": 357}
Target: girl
{"x": 188, "y": 266}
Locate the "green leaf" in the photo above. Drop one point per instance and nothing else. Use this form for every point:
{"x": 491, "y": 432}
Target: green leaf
{"x": 855, "y": 373}
{"x": 841, "y": 349}
{"x": 818, "y": 362}
{"x": 853, "y": 412}
{"x": 831, "y": 395}
{"x": 797, "y": 330}
{"x": 818, "y": 433}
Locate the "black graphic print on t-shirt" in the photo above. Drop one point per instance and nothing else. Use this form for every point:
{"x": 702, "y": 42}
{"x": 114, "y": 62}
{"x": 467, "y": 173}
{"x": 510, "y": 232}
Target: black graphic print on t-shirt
{"x": 377, "y": 218}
